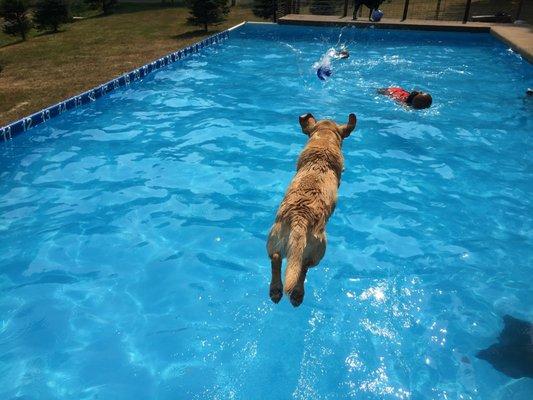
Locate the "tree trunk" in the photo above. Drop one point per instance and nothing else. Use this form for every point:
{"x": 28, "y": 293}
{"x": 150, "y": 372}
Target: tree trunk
{"x": 21, "y": 28}
{"x": 205, "y": 26}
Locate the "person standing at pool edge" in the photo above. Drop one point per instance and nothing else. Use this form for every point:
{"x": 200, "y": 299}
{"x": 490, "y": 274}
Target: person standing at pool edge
{"x": 415, "y": 99}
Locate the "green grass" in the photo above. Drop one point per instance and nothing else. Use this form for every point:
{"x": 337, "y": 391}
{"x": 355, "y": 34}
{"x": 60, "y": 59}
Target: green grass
{"x": 50, "y": 67}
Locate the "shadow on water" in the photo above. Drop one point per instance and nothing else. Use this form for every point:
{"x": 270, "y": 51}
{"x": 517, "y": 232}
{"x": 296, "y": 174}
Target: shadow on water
{"x": 513, "y": 353}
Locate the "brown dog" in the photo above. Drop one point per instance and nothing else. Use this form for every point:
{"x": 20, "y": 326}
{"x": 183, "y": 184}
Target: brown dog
{"x": 299, "y": 230}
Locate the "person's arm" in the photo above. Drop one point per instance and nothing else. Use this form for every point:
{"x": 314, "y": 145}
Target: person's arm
{"x": 384, "y": 91}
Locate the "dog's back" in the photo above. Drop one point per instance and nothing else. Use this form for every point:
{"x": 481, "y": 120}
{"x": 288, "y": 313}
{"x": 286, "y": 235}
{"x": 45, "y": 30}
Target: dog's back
{"x": 299, "y": 230}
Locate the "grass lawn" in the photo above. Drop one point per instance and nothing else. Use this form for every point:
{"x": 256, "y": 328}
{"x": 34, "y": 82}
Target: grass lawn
{"x": 48, "y": 68}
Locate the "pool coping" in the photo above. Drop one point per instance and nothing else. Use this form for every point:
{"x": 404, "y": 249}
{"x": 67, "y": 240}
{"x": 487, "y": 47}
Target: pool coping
{"x": 22, "y": 125}
{"x": 518, "y": 36}
{"x": 515, "y": 36}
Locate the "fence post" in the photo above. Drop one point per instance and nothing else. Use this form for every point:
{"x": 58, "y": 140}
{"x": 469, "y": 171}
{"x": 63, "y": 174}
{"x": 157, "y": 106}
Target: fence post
{"x": 467, "y": 11}
{"x": 437, "y": 12}
{"x": 405, "y": 9}
{"x": 345, "y": 11}
{"x": 519, "y": 9}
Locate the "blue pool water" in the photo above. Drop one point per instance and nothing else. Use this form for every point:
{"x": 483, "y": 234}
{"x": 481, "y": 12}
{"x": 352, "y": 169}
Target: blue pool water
{"x": 132, "y": 230}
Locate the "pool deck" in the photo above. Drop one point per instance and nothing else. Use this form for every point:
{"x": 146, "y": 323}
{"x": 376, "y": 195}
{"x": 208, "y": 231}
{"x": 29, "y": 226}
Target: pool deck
{"x": 518, "y": 37}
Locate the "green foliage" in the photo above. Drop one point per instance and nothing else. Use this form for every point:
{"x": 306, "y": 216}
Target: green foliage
{"x": 323, "y": 7}
{"x": 78, "y": 7}
{"x": 106, "y": 6}
{"x": 265, "y": 9}
{"x": 207, "y": 12}
{"x": 50, "y": 14}
{"x": 15, "y": 14}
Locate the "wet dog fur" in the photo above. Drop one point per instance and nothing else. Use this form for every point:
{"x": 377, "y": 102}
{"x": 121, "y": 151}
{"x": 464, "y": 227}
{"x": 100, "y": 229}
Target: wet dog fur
{"x": 298, "y": 233}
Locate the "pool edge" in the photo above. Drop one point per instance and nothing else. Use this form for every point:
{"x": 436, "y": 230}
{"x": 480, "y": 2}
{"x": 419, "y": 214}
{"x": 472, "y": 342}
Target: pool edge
{"x": 24, "y": 124}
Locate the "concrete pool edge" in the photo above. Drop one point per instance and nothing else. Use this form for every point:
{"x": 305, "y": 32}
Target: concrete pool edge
{"x": 518, "y": 37}
{"x": 24, "y": 124}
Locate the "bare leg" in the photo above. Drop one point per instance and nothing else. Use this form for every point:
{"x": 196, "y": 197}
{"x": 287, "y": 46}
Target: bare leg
{"x": 297, "y": 294}
{"x": 276, "y": 287}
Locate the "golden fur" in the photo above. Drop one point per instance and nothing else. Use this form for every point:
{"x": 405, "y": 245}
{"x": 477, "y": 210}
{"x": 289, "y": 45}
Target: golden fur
{"x": 298, "y": 233}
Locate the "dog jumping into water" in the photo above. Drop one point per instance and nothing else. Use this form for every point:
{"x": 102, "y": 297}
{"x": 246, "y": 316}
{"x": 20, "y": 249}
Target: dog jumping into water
{"x": 298, "y": 233}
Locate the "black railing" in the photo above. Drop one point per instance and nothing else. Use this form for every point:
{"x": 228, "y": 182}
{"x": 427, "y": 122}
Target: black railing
{"x": 405, "y": 10}
{"x": 450, "y": 10}
{"x": 467, "y": 11}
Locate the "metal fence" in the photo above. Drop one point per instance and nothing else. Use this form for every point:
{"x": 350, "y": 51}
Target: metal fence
{"x": 449, "y": 10}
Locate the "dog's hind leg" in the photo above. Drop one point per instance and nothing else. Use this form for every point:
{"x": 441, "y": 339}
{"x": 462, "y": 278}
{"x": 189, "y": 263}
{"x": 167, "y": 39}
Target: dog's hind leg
{"x": 356, "y": 6}
{"x": 276, "y": 287}
{"x": 355, "y": 10}
{"x": 297, "y": 294}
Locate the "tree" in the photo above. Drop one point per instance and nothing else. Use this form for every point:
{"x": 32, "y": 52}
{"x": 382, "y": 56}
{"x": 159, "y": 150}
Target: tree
{"x": 49, "y": 14}
{"x": 106, "y": 5}
{"x": 265, "y": 9}
{"x": 207, "y": 12}
{"x": 323, "y": 7}
{"x": 15, "y": 14}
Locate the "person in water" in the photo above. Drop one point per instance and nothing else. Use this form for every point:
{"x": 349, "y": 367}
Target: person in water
{"x": 415, "y": 99}
{"x": 323, "y": 67}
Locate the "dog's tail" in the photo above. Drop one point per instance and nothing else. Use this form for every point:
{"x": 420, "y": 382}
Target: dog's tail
{"x": 295, "y": 251}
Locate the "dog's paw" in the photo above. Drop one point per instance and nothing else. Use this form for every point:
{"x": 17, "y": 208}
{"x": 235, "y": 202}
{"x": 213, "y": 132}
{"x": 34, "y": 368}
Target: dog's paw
{"x": 297, "y": 297}
{"x": 276, "y": 293}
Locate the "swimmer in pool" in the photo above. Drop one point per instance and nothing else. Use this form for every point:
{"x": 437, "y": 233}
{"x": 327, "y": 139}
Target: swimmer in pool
{"x": 323, "y": 67}
{"x": 415, "y": 99}
{"x": 338, "y": 55}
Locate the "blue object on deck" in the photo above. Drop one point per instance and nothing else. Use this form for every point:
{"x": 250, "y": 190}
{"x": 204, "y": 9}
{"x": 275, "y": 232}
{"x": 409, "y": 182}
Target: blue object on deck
{"x": 377, "y": 15}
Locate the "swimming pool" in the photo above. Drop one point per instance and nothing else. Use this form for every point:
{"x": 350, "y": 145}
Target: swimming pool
{"x": 133, "y": 229}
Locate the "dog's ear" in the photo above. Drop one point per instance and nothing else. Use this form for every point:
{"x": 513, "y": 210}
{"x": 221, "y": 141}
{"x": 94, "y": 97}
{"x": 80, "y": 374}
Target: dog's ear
{"x": 307, "y": 122}
{"x": 349, "y": 127}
